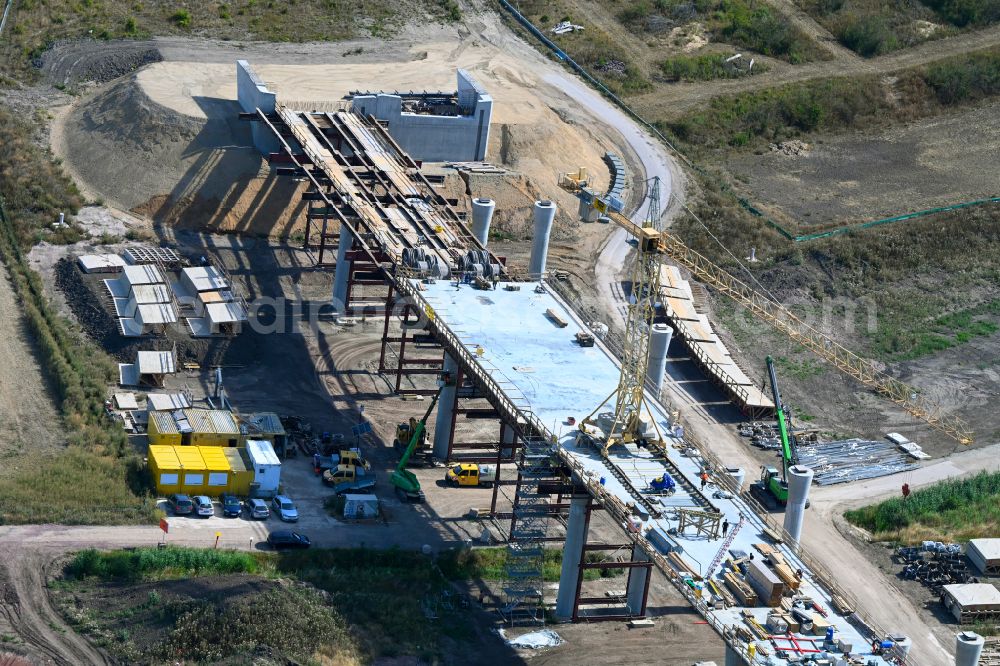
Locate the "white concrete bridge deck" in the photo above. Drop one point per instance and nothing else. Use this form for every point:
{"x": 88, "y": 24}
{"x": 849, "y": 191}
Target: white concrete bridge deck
{"x": 541, "y": 368}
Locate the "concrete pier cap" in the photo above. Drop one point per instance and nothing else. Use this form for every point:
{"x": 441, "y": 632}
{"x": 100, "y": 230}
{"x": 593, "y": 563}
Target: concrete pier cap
{"x": 482, "y": 216}
{"x": 544, "y": 214}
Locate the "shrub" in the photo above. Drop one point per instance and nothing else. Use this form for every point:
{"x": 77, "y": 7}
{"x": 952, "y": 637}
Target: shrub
{"x": 774, "y": 114}
{"x": 755, "y": 26}
{"x": 700, "y": 68}
{"x": 182, "y": 18}
{"x": 964, "y": 78}
{"x": 966, "y": 12}
{"x": 866, "y": 35}
{"x": 949, "y": 509}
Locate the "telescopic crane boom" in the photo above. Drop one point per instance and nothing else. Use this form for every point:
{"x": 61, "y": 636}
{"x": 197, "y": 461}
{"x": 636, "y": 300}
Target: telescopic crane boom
{"x": 787, "y": 448}
{"x": 404, "y": 480}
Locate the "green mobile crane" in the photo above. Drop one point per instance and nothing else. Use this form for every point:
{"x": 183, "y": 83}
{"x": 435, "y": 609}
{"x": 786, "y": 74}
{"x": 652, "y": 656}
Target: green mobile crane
{"x": 772, "y": 489}
{"x": 406, "y": 483}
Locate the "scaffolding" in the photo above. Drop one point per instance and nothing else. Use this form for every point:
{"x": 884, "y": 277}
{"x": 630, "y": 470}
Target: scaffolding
{"x": 523, "y": 578}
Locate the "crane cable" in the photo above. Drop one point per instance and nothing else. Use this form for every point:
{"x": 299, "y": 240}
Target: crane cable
{"x": 735, "y": 258}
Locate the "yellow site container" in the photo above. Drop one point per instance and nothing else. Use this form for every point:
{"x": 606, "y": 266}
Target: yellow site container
{"x": 165, "y": 469}
{"x": 240, "y": 471}
{"x": 193, "y": 472}
{"x": 162, "y": 429}
{"x": 217, "y": 470}
{"x": 212, "y": 427}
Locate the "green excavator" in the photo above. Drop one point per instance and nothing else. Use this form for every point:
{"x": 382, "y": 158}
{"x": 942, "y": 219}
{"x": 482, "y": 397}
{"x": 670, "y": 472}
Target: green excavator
{"x": 772, "y": 489}
{"x": 406, "y": 483}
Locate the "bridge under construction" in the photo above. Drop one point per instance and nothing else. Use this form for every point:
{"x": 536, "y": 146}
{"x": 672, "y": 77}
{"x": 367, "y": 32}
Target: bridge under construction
{"x": 501, "y": 344}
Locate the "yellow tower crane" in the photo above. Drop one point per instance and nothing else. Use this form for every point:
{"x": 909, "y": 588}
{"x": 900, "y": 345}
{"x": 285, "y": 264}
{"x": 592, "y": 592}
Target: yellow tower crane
{"x": 653, "y": 244}
{"x": 626, "y": 424}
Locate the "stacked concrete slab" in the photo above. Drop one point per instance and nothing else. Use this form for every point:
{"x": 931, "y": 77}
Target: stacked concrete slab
{"x": 212, "y": 299}
{"x": 708, "y": 350}
{"x": 142, "y": 300}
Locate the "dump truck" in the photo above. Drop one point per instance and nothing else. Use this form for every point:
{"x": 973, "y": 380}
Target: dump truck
{"x": 471, "y": 474}
{"x": 348, "y": 479}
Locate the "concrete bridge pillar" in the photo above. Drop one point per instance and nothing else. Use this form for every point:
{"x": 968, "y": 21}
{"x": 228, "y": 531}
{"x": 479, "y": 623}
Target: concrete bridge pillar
{"x": 507, "y": 439}
{"x": 799, "y": 478}
{"x": 342, "y": 271}
{"x": 659, "y": 343}
{"x": 445, "y": 409}
{"x": 638, "y": 584}
{"x": 576, "y": 537}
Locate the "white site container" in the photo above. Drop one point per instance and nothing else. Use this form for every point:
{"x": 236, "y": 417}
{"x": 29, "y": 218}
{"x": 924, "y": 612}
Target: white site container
{"x": 266, "y": 468}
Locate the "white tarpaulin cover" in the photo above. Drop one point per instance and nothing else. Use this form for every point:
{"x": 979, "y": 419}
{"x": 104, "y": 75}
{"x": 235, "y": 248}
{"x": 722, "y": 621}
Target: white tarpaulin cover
{"x": 535, "y": 640}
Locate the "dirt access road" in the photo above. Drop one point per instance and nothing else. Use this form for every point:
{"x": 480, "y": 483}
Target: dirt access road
{"x": 678, "y": 98}
{"x": 32, "y": 553}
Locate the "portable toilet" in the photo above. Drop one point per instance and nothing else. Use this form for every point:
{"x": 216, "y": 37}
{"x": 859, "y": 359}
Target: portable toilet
{"x": 192, "y": 470}
{"x": 165, "y": 469}
{"x": 266, "y": 468}
{"x": 240, "y": 471}
{"x": 217, "y": 470}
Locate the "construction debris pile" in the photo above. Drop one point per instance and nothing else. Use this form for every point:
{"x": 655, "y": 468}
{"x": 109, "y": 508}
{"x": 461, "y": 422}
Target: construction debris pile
{"x": 935, "y": 564}
{"x": 852, "y": 460}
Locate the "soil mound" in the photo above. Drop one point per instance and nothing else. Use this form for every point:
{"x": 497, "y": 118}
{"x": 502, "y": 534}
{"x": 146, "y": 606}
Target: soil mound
{"x": 199, "y": 173}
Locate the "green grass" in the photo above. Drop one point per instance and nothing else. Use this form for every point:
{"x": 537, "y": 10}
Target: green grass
{"x": 378, "y": 597}
{"x": 36, "y": 24}
{"x": 953, "y": 510}
{"x": 748, "y": 24}
{"x": 749, "y": 120}
{"x": 775, "y": 114}
{"x": 702, "y": 68}
{"x": 94, "y": 479}
{"x": 754, "y": 25}
{"x": 160, "y": 563}
{"x": 964, "y": 13}
{"x": 490, "y": 564}
{"x": 874, "y": 27}
{"x": 289, "y": 623}
{"x": 799, "y": 368}
{"x": 938, "y": 334}
{"x": 605, "y": 58}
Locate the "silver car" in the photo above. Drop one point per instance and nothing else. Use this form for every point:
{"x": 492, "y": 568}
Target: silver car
{"x": 257, "y": 508}
{"x": 203, "y": 506}
{"x": 285, "y": 509}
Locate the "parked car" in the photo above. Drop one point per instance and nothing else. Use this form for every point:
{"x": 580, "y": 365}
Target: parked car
{"x": 231, "y": 506}
{"x": 285, "y": 509}
{"x": 181, "y": 504}
{"x": 257, "y": 508}
{"x": 203, "y": 506}
{"x": 288, "y": 539}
